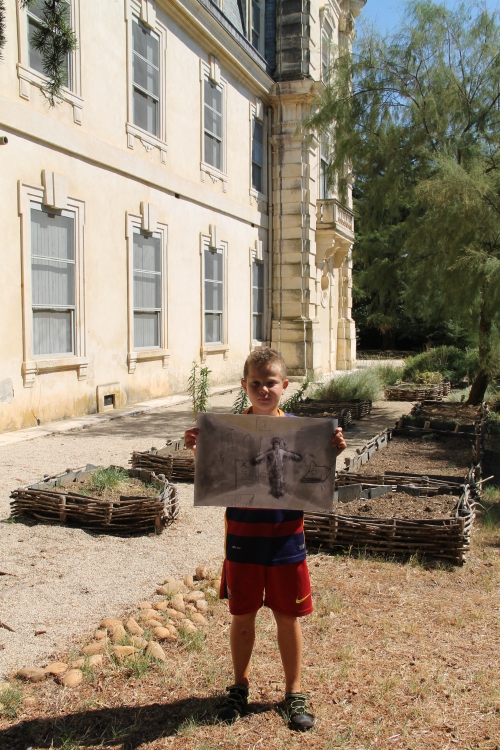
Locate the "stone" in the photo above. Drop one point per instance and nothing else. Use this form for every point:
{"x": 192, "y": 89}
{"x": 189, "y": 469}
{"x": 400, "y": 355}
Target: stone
{"x": 133, "y": 627}
{"x": 174, "y": 614}
{"x": 72, "y": 678}
{"x": 172, "y": 629}
{"x": 100, "y": 634}
{"x": 138, "y": 642}
{"x": 57, "y": 668}
{"x": 177, "y": 603}
{"x": 109, "y": 623}
{"x": 32, "y": 674}
{"x": 79, "y": 663}
{"x": 202, "y": 605}
{"x": 118, "y": 634}
{"x": 154, "y": 624}
{"x": 147, "y": 614}
{"x": 172, "y": 587}
{"x": 161, "y": 606}
{"x": 216, "y": 584}
{"x": 211, "y": 592}
{"x": 199, "y": 619}
{"x": 4, "y": 686}
{"x": 145, "y": 605}
{"x": 122, "y": 652}
{"x": 188, "y": 626}
{"x": 156, "y": 651}
{"x": 191, "y": 608}
{"x": 188, "y": 581}
{"x": 194, "y": 596}
{"x": 201, "y": 573}
{"x": 164, "y": 634}
{"x": 95, "y": 660}
{"x": 97, "y": 647}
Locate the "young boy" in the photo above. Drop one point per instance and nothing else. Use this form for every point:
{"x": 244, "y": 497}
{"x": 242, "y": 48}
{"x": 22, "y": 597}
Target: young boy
{"x": 266, "y": 561}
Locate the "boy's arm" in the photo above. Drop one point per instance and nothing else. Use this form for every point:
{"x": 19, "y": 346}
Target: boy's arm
{"x": 338, "y": 441}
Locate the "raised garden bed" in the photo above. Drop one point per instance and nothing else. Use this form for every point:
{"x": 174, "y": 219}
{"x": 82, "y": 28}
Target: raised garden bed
{"x": 176, "y": 463}
{"x": 418, "y": 485}
{"x": 138, "y": 502}
{"x": 312, "y": 408}
{"x": 441, "y": 417}
{"x": 416, "y": 392}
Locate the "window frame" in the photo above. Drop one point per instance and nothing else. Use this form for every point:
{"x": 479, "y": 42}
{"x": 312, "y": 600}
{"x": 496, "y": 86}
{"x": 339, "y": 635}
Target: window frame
{"x": 211, "y": 72}
{"x": 219, "y": 346}
{"x": 262, "y": 314}
{"x": 250, "y": 21}
{"x": 72, "y": 94}
{"x": 31, "y": 195}
{"x": 256, "y": 255}
{"x": 145, "y": 13}
{"x": 256, "y": 112}
{"x": 135, "y": 224}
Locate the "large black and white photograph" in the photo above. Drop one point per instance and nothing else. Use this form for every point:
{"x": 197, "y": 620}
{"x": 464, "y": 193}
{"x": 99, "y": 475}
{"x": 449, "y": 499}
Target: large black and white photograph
{"x": 265, "y": 462}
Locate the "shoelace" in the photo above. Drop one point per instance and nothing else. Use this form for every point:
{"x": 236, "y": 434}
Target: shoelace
{"x": 296, "y": 703}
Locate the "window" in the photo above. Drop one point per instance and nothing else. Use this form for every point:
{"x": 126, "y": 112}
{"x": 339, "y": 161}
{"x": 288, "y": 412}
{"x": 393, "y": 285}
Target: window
{"x": 257, "y": 301}
{"x": 324, "y": 152}
{"x": 147, "y": 265}
{"x": 145, "y": 77}
{"x": 53, "y": 281}
{"x": 258, "y": 155}
{"x": 256, "y": 24}
{"x": 35, "y": 23}
{"x": 326, "y": 47}
{"x": 213, "y": 123}
{"x": 214, "y": 295}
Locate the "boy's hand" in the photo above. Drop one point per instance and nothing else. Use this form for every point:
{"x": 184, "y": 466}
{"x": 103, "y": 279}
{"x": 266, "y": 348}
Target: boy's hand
{"x": 338, "y": 441}
{"x": 190, "y": 437}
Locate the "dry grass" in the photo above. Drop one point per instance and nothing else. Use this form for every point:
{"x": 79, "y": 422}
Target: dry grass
{"x": 396, "y": 656}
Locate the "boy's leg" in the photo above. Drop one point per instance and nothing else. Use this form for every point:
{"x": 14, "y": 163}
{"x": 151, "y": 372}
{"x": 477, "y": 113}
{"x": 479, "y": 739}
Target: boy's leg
{"x": 242, "y": 638}
{"x": 290, "y": 646}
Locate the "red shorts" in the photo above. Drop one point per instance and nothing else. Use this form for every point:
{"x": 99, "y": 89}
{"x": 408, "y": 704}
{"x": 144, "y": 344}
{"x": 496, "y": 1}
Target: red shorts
{"x": 285, "y": 589}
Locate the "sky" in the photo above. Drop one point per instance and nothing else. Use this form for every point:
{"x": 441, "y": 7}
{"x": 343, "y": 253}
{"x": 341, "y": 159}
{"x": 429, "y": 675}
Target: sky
{"x": 384, "y": 13}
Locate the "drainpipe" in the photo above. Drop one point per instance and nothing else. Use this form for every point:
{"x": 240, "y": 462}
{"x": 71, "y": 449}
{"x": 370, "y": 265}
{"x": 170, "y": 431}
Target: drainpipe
{"x": 270, "y": 217}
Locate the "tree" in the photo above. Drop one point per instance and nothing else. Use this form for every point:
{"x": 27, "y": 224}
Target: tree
{"x": 55, "y": 39}
{"x": 417, "y": 115}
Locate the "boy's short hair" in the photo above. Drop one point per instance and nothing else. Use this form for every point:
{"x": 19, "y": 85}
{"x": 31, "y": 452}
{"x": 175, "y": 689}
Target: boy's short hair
{"x": 264, "y": 356}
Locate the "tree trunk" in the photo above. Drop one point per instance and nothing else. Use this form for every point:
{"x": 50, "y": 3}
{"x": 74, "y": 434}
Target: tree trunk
{"x": 482, "y": 378}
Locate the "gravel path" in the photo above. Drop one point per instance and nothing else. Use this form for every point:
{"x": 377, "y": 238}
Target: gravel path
{"x": 64, "y": 581}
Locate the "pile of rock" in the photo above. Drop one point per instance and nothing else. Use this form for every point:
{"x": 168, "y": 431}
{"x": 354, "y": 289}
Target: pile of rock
{"x": 182, "y": 608}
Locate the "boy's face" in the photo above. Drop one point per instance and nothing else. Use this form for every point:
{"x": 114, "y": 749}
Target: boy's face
{"x": 264, "y": 387}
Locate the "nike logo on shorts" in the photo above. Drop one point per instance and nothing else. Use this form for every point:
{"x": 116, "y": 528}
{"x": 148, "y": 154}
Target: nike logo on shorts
{"x": 299, "y": 601}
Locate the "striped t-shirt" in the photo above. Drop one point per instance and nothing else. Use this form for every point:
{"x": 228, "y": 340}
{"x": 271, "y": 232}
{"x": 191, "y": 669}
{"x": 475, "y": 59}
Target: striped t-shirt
{"x": 265, "y": 537}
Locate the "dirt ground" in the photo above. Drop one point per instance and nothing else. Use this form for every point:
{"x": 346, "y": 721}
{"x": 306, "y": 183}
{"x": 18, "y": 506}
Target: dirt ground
{"x": 439, "y": 455}
{"x": 400, "y": 505}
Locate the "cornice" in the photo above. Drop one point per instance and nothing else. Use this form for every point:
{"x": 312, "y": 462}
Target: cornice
{"x": 203, "y": 27}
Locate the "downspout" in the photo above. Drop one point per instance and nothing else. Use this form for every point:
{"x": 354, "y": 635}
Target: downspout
{"x": 270, "y": 218}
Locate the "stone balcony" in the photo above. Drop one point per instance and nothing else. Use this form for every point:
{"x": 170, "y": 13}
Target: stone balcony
{"x": 334, "y": 231}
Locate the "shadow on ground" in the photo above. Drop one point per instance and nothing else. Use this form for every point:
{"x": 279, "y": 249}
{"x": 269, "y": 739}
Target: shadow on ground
{"x": 126, "y": 726}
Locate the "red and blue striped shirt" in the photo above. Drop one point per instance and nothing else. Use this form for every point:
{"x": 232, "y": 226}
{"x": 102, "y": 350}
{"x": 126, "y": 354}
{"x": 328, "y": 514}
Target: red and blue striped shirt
{"x": 265, "y": 537}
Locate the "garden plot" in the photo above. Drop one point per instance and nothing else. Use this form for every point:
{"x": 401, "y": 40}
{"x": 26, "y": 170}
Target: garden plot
{"x": 439, "y": 455}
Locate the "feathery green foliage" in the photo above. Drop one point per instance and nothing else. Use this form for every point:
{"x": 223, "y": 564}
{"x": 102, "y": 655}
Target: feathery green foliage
{"x": 453, "y": 363}
{"x": 3, "y": 38}
{"x": 360, "y": 384}
{"x": 106, "y": 479}
{"x": 198, "y": 388}
{"x": 241, "y": 402}
{"x": 55, "y": 40}
{"x": 295, "y": 399}
{"x": 416, "y": 115}
{"x": 389, "y": 374}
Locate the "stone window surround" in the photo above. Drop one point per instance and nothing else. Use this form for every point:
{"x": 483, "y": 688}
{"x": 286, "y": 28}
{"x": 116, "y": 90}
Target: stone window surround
{"x": 256, "y": 254}
{"x": 53, "y": 194}
{"x": 27, "y": 76}
{"x": 249, "y": 24}
{"x": 145, "y": 12}
{"x": 146, "y": 221}
{"x": 326, "y": 17}
{"x": 257, "y": 111}
{"x": 213, "y": 73}
{"x": 212, "y": 240}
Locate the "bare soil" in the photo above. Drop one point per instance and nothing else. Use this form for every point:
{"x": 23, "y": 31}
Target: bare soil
{"x": 454, "y": 411}
{"x": 400, "y": 505}
{"x": 130, "y": 487}
{"x": 440, "y": 455}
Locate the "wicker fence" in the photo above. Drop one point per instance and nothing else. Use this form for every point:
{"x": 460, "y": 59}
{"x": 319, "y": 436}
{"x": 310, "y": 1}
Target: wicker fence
{"x": 416, "y": 392}
{"x": 176, "y": 465}
{"x": 124, "y": 516}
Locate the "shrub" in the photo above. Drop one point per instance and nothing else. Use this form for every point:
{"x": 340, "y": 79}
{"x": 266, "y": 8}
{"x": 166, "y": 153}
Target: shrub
{"x": 389, "y": 374}
{"x": 453, "y": 363}
{"x": 429, "y": 377}
{"x": 295, "y": 399}
{"x": 364, "y": 385}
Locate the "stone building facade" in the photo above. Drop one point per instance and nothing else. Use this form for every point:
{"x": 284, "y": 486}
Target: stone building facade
{"x": 170, "y": 209}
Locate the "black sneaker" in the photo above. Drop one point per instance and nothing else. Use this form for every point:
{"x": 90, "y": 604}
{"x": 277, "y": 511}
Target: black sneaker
{"x": 234, "y": 704}
{"x": 296, "y": 710}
